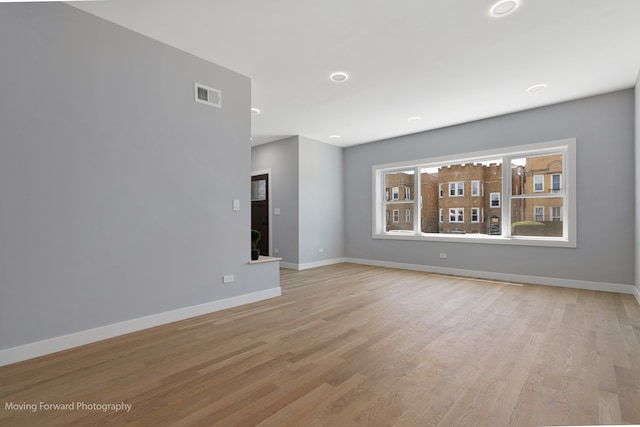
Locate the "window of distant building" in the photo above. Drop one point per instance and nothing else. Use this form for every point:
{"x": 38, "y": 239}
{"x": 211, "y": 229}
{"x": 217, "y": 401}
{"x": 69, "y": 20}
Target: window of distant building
{"x": 538, "y": 183}
{"x": 514, "y": 178}
{"x": 475, "y": 188}
{"x": 538, "y": 213}
{"x": 456, "y": 189}
{"x": 456, "y": 215}
{"x": 494, "y": 200}
{"x": 556, "y": 182}
{"x": 475, "y": 214}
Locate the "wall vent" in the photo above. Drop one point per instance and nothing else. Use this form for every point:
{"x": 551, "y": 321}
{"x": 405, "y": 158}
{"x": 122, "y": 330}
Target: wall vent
{"x": 208, "y": 95}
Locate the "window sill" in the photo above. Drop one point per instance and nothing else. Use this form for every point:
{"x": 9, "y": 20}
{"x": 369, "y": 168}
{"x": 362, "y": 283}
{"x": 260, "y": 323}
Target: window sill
{"x": 263, "y": 259}
{"x": 479, "y": 238}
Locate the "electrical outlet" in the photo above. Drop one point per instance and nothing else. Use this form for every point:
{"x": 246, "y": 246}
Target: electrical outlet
{"x": 236, "y": 205}
{"x": 321, "y": 250}
{"x": 228, "y": 278}
{"x": 443, "y": 255}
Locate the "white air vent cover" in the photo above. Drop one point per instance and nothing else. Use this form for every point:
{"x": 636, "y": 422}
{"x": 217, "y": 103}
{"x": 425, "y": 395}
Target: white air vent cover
{"x": 208, "y": 95}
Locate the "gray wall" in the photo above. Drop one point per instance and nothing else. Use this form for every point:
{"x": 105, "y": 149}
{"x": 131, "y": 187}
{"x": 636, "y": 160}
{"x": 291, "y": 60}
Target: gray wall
{"x": 282, "y": 158}
{"x": 321, "y": 201}
{"x": 604, "y": 128}
{"x": 116, "y": 188}
{"x": 308, "y": 186}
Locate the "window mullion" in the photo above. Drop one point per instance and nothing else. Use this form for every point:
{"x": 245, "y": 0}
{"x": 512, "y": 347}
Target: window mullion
{"x": 565, "y": 178}
{"x": 505, "y": 227}
{"x": 417, "y": 199}
{"x": 383, "y": 206}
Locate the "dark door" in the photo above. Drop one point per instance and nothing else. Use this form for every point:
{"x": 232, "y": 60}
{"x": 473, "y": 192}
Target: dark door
{"x": 260, "y": 210}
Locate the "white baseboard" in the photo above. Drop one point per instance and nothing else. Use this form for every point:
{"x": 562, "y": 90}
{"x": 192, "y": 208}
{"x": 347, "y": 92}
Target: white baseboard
{"x": 41, "y": 348}
{"x": 636, "y": 293}
{"x": 322, "y": 263}
{"x": 537, "y": 280}
{"x": 314, "y": 264}
{"x": 288, "y": 265}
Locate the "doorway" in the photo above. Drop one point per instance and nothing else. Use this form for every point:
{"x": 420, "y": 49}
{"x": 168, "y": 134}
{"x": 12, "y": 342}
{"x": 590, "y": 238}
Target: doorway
{"x": 260, "y": 209}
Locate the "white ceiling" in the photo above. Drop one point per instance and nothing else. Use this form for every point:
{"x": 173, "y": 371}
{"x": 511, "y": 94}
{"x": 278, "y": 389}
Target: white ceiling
{"x": 447, "y": 61}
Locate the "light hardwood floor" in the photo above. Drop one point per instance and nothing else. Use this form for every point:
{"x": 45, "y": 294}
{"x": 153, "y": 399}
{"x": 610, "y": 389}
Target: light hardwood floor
{"x": 357, "y": 345}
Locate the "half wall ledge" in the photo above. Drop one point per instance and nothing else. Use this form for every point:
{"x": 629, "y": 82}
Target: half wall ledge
{"x": 263, "y": 259}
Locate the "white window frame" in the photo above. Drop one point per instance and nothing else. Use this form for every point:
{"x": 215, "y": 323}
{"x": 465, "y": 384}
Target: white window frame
{"x": 535, "y": 177}
{"x": 441, "y": 215}
{"x": 537, "y": 209}
{"x": 567, "y": 196}
{"x": 551, "y": 216}
{"x": 395, "y": 216}
{"x": 477, "y": 215}
{"x": 395, "y": 193}
{"x": 441, "y": 190}
{"x": 407, "y": 193}
{"x": 475, "y": 189}
{"x": 407, "y": 215}
{"x": 457, "y": 213}
{"x": 491, "y": 205}
{"x": 551, "y": 189}
{"x": 457, "y": 187}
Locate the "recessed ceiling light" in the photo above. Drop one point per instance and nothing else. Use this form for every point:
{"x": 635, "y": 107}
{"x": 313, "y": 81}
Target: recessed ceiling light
{"x": 537, "y": 88}
{"x": 255, "y": 111}
{"x": 414, "y": 119}
{"x": 334, "y": 136}
{"x": 339, "y": 77}
{"x": 503, "y": 8}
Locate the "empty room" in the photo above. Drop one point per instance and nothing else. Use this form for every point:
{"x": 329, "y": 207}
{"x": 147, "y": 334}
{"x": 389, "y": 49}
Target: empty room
{"x": 304, "y": 213}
